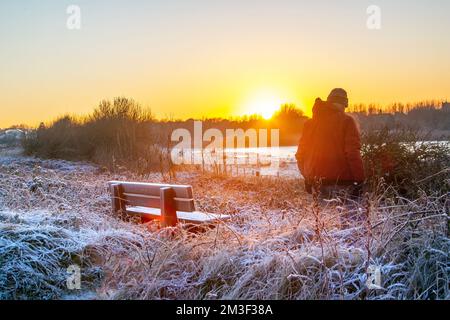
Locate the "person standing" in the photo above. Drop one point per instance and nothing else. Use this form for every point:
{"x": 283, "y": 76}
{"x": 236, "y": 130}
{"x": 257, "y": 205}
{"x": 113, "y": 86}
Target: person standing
{"x": 329, "y": 151}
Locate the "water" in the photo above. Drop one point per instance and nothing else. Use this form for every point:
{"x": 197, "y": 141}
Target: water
{"x": 266, "y": 161}
{"x": 249, "y": 161}
{"x": 241, "y": 155}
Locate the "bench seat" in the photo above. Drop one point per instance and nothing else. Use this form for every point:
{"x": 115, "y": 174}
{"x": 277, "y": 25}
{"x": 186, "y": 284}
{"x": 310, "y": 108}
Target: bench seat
{"x": 194, "y": 217}
{"x": 167, "y": 203}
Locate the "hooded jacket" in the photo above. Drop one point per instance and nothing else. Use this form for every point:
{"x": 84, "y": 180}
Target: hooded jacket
{"x": 330, "y": 147}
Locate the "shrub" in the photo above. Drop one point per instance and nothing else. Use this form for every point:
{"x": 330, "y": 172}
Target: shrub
{"x": 118, "y": 133}
{"x": 406, "y": 161}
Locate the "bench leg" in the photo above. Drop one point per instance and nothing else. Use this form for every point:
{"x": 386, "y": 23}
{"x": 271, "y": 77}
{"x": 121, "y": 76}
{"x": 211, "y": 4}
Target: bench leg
{"x": 117, "y": 200}
{"x": 168, "y": 210}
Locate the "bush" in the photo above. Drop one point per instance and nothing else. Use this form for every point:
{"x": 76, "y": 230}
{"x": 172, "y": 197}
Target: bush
{"x": 116, "y": 134}
{"x": 406, "y": 161}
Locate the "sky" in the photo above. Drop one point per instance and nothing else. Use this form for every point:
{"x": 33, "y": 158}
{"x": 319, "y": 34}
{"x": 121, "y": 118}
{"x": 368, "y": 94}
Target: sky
{"x": 210, "y": 58}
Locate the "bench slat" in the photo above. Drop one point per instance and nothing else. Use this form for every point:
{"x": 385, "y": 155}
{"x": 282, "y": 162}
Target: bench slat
{"x": 153, "y": 189}
{"x": 195, "y": 217}
{"x": 140, "y": 200}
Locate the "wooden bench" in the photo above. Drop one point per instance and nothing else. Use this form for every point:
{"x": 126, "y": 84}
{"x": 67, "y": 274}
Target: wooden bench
{"x": 169, "y": 204}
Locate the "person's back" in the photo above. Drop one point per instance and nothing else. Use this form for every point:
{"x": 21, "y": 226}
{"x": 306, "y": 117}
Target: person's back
{"x": 329, "y": 149}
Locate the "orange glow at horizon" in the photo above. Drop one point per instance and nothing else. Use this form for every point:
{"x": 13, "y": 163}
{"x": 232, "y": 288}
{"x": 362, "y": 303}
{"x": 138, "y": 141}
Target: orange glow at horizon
{"x": 205, "y": 59}
{"x": 264, "y": 102}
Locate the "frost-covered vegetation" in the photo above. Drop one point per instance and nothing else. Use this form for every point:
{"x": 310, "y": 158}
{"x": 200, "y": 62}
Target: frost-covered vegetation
{"x": 281, "y": 242}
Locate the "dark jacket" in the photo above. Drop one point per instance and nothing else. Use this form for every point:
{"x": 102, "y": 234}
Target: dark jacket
{"x": 330, "y": 146}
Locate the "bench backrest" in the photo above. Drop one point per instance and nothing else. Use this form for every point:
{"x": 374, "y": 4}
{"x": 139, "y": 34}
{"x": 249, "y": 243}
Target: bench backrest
{"x": 141, "y": 194}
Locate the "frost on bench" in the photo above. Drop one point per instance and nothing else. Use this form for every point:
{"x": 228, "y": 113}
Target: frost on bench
{"x": 169, "y": 203}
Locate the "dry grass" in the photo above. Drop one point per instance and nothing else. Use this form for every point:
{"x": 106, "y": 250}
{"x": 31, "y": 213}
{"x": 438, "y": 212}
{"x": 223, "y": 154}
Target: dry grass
{"x": 280, "y": 244}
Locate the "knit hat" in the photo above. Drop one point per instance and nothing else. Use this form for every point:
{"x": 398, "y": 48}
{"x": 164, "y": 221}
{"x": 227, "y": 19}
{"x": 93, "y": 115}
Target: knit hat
{"x": 338, "y": 95}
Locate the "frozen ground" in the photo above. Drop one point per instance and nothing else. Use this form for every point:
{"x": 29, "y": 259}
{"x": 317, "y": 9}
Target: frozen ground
{"x": 280, "y": 244}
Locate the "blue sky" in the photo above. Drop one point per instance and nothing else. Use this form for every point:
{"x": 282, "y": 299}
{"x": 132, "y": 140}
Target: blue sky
{"x": 192, "y": 58}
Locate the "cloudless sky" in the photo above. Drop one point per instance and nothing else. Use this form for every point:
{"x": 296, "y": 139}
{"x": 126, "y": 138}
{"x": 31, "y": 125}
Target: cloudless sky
{"x": 194, "y": 58}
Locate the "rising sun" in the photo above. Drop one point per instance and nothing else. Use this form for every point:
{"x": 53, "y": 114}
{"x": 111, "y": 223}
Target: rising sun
{"x": 263, "y": 103}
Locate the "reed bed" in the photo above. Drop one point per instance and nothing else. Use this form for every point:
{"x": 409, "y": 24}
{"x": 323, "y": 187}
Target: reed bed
{"x": 280, "y": 244}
